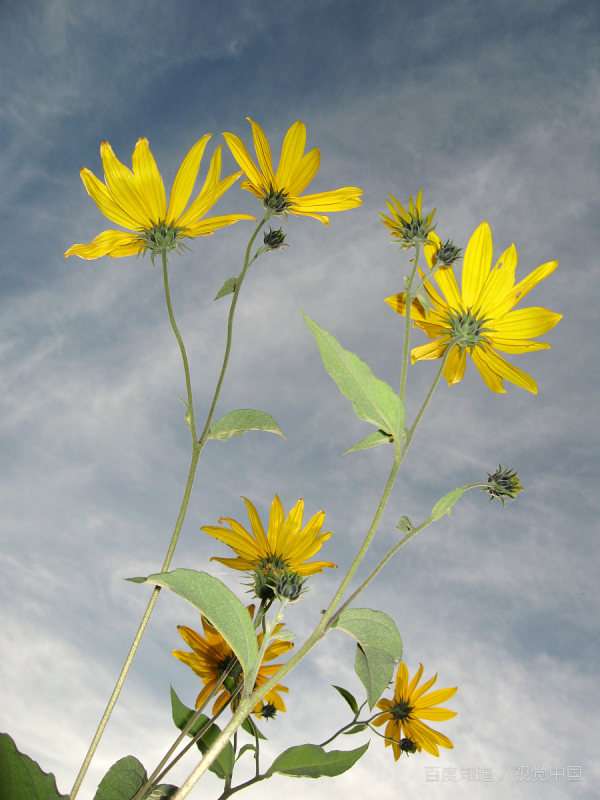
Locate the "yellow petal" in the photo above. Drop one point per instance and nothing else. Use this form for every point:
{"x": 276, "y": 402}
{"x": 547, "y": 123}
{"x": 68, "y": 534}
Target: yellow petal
{"x": 516, "y": 346}
{"x": 434, "y": 698}
{"x": 498, "y": 283}
{"x": 102, "y": 197}
{"x": 304, "y": 173}
{"x": 206, "y": 196}
{"x": 257, "y": 528}
{"x": 149, "y": 179}
{"x": 519, "y": 291}
{"x": 429, "y": 351}
{"x": 291, "y": 155}
{"x": 263, "y": 154}
{"x": 124, "y": 188}
{"x": 454, "y": 368}
{"x": 276, "y": 518}
{"x": 241, "y": 564}
{"x": 250, "y": 187}
{"x": 446, "y": 280}
{"x": 321, "y": 217}
{"x": 337, "y": 200}
{"x": 185, "y": 180}
{"x": 477, "y": 264}
{"x": 415, "y": 681}
{"x": 207, "y": 226}
{"x": 505, "y": 370}
{"x": 241, "y": 155}
{"x": 126, "y": 249}
{"x": 434, "y": 714}
{"x": 313, "y": 567}
{"x": 525, "y": 322}
{"x": 492, "y": 379}
{"x": 102, "y": 245}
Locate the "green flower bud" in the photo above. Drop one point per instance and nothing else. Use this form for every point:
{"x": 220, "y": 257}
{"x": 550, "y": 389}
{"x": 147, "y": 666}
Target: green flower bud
{"x": 503, "y": 484}
{"x": 448, "y": 254}
{"x": 408, "y": 746}
{"x": 274, "y": 240}
{"x": 268, "y": 711}
{"x": 272, "y": 578}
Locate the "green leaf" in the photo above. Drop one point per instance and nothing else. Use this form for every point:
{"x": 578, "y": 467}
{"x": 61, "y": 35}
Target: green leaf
{"x": 375, "y": 439}
{"x": 356, "y": 729}
{"x": 251, "y": 727}
{"x": 237, "y": 423}
{"x": 424, "y": 300}
{"x": 373, "y": 400}
{"x": 311, "y": 761}
{"x": 245, "y": 749}
{"x": 21, "y": 778}
{"x": 444, "y": 505}
{"x": 223, "y": 766}
{"x": 227, "y": 288}
{"x": 122, "y": 781}
{"x": 379, "y": 648}
{"x": 218, "y": 604}
{"x": 348, "y": 698}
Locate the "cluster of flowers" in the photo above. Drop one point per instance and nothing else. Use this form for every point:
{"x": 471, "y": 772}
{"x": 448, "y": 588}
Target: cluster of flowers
{"x": 477, "y": 319}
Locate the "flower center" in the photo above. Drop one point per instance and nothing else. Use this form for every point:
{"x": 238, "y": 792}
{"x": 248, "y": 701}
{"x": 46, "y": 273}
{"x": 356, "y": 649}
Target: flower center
{"x": 161, "y": 238}
{"x": 276, "y": 202}
{"x": 401, "y": 710}
{"x": 467, "y": 329}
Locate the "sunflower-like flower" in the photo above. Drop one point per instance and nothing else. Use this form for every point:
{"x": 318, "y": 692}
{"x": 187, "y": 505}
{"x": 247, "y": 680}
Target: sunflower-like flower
{"x": 136, "y": 200}
{"x": 404, "y": 712}
{"x": 280, "y": 191}
{"x": 408, "y": 227}
{"x": 212, "y": 655}
{"x": 479, "y": 319}
{"x": 283, "y": 550}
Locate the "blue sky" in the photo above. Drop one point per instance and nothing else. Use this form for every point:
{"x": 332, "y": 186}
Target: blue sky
{"x": 493, "y": 108}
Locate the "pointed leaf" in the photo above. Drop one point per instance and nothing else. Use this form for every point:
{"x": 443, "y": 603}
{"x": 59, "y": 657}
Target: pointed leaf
{"x": 223, "y": 766}
{"x": 349, "y": 698}
{"x": 237, "y": 423}
{"x": 373, "y": 440}
{"x": 122, "y": 781}
{"x": 356, "y": 729}
{"x": 251, "y": 727}
{"x": 22, "y": 778}
{"x": 444, "y": 505}
{"x": 227, "y": 288}
{"x": 311, "y": 761}
{"x": 218, "y": 604}
{"x": 379, "y": 650}
{"x": 245, "y": 749}
{"x": 373, "y": 400}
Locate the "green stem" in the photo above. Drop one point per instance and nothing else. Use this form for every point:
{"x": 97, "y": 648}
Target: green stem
{"x": 427, "y": 400}
{"x": 236, "y": 293}
{"x": 409, "y": 299}
{"x": 197, "y": 446}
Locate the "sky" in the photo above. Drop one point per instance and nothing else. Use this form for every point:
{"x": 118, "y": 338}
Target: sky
{"x": 492, "y": 106}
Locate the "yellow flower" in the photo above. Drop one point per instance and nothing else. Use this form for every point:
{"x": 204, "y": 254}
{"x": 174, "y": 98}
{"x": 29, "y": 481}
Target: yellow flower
{"x": 480, "y": 317}
{"x": 406, "y": 710}
{"x": 212, "y": 656}
{"x": 287, "y": 545}
{"x": 280, "y": 191}
{"x": 136, "y": 200}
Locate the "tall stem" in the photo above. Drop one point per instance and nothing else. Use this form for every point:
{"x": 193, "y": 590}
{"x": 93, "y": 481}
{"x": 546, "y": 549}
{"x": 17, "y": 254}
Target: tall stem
{"x": 197, "y": 446}
{"x": 409, "y": 299}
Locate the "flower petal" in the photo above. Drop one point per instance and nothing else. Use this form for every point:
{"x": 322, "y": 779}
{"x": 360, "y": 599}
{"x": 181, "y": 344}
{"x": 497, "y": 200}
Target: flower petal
{"x": 242, "y": 156}
{"x": 263, "y": 154}
{"x": 429, "y": 351}
{"x": 454, "y": 369}
{"x": 103, "y": 244}
{"x": 207, "y": 226}
{"x": 103, "y": 199}
{"x": 125, "y": 188}
{"x": 505, "y": 370}
{"x": 477, "y": 264}
{"x": 149, "y": 179}
{"x": 185, "y": 180}
{"x": 276, "y": 518}
{"x": 304, "y": 172}
{"x": 526, "y": 322}
{"x": 257, "y": 528}
{"x": 519, "y": 291}
{"x": 492, "y": 379}
{"x": 498, "y": 283}
{"x": 435, "y": 714}
{"x": 291, "y": 155}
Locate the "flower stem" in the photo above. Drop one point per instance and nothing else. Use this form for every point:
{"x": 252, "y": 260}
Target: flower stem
{"x": 197, "y": 446}
{"x": 409, "y": 299}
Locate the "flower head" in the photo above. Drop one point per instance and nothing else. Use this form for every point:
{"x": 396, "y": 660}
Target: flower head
{"x": 280, "y": 190}
{"x": 212, "y": 656}
{"x": 404, "y": 712}
{"x": 504, "y": 484}
{"x": 136, "y": 200}
{"x": 479, "y": 319}
{"x": 408, "y": 227}
{"x": 274, "y": 557}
